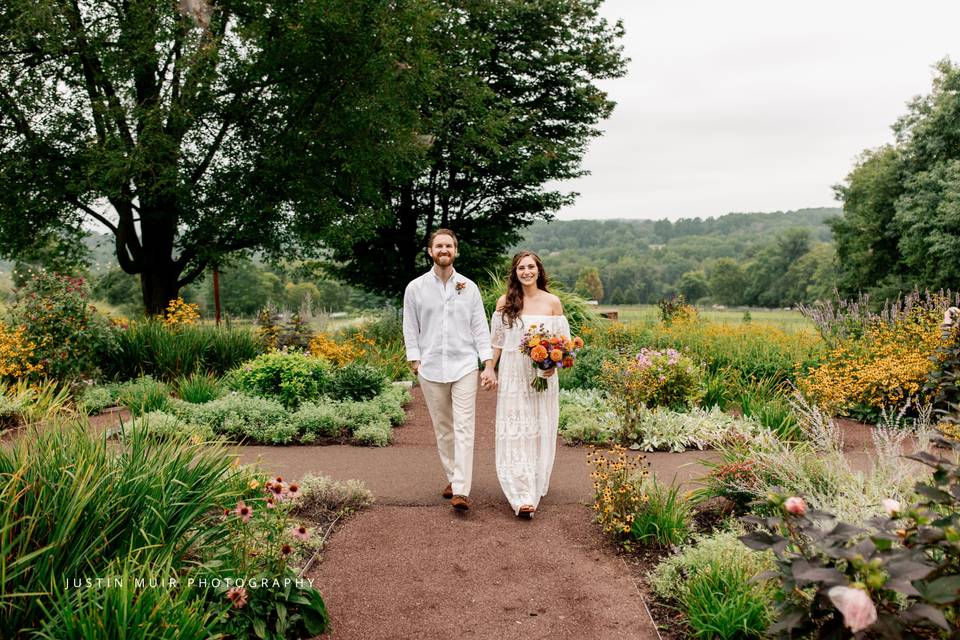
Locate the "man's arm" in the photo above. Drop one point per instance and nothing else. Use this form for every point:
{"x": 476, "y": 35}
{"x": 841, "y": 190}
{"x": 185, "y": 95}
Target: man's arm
{"x": 481, "y": 340}
{"x": 411, "y": 327}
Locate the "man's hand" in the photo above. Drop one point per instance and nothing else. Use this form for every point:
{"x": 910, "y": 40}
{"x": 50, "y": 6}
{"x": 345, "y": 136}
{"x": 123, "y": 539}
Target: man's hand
{"x": 414, "y": 366}
{"x": 488, "y": 378}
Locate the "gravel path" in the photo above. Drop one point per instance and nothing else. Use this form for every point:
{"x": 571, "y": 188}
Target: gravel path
{"x": 410, "y": 567}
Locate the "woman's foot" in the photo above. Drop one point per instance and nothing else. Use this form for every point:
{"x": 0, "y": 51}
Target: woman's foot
{"x": 526, "y": 511}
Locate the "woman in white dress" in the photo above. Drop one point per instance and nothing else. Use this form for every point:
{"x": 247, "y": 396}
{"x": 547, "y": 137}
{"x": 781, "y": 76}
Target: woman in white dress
{"x": 526, "y": 418}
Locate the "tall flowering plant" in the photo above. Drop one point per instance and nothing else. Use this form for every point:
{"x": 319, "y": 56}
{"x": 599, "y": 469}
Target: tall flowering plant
{"x": 548, "y": 350}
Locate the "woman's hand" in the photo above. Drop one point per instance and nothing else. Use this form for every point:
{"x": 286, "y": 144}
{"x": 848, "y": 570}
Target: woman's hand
{"x": 549, "y": 372}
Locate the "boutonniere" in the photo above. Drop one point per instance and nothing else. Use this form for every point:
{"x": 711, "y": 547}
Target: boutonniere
{"x": 460, "y": 286}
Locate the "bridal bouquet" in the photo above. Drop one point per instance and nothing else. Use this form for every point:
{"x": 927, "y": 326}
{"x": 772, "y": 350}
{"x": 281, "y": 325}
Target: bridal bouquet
{"x": 548, "y": 351}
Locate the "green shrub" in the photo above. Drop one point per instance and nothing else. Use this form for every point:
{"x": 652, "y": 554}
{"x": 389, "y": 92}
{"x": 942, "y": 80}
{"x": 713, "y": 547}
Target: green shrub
{"x": 151, "y": 348}
{"x": 68, "y": 333}
{"x": 289, "y": 378}
{"x": 160, "y": 425}
{"x": 664, "y": 518}
{"x": 153, "y": 500}
{"x": 241, "y": 417}
{"x": 392, "y": 401}
{"x": 585, "y": 417}
{"x": 357, "y": 381}
{"x": 143, "y": 395}
{"x": 712, "y": 580}
{"x": 585, "y": 373}
{"x": 314, "y": 419}
{"x": 374, "y": 434}
{"x": 95, "y": 399}
{"x": 198, "y": 388}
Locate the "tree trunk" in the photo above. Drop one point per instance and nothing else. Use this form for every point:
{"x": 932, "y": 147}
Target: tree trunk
{"x": 159, "y": 287}
{"x": 158, "y": 273}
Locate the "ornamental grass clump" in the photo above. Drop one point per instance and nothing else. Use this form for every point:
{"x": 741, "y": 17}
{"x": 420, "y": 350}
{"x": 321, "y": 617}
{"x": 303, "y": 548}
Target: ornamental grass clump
{"x": 143, "y": 395}
{"x": 664, "y": 516}
{"x": 714, "y": 581}
{"x": 150, "y": 501}
{"x": 617, "y": 494}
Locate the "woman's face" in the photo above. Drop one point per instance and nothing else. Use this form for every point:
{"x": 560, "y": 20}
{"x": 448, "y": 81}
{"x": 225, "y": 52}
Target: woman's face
{"x": 527, "y": 271}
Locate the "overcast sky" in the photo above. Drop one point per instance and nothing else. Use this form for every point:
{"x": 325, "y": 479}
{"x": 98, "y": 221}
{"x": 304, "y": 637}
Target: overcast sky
{"x": 753, "y": 105}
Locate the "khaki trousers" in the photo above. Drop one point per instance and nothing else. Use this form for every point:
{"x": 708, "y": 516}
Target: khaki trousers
{"x": 453, "y": 407}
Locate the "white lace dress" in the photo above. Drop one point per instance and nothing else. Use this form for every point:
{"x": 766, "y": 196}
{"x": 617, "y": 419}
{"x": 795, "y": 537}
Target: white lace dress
{"x": 526, "y": 419}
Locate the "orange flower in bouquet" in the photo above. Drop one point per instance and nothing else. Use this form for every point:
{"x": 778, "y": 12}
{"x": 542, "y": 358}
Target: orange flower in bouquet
{"x": 547, "y": 351}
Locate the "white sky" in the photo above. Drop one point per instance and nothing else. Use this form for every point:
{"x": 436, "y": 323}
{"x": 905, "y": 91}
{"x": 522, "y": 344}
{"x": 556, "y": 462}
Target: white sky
{"x": 754, "y": 105}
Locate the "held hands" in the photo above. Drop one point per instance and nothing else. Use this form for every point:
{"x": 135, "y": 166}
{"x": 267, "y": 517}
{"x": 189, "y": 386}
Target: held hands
{"x": 488, "y": 378}
{"x": 414, "y": 366}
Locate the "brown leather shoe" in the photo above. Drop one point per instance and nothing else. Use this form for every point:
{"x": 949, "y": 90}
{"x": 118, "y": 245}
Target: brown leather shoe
{"x": 460, "y": 503}
{"x": 448, "y": 492}
{"x": 526, "y": 511}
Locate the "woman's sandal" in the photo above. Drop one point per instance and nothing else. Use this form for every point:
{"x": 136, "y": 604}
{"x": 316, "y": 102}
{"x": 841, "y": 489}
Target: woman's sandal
{"x": 526, "y": 511}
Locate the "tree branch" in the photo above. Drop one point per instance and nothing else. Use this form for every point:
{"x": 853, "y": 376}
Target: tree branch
{"x": 93, "y": 214}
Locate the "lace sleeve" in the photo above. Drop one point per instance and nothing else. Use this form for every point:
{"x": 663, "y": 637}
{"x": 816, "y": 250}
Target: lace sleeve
{"x": 497, "y": 330}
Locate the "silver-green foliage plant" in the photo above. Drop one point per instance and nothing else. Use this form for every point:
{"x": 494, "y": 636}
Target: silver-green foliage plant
{"x": 585, "y": 417}
{"x": 323, "y": 495}
{"x": 667, "y": 430}
{"x": 94, "y": 399}
{"x": 161, "y": 425}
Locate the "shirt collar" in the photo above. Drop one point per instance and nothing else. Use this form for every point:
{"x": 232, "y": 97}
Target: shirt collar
{"x": 453, "y": 276}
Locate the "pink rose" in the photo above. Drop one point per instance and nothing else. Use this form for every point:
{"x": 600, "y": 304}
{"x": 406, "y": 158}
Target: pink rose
{"x": 892, "y": 507}
{"x": 856, "y": 606}
{"x": 795, "y": 506}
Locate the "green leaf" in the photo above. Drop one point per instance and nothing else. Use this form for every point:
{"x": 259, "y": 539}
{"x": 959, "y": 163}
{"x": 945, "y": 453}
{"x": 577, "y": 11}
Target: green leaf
{"x": 942, "y": 590}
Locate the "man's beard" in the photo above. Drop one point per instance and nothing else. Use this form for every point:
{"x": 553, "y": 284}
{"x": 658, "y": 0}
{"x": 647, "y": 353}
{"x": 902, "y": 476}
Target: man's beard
{"x": 447, "y": 258}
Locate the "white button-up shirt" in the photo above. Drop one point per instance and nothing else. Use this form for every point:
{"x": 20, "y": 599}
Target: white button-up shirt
{"x": 444, "y": 326}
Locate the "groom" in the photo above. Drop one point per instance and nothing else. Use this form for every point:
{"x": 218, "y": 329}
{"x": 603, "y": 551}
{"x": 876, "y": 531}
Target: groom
{"x": 444, "y": 331}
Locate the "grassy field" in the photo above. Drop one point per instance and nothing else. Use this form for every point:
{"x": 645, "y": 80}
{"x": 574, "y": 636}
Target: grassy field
{"x": 788, "y": 320}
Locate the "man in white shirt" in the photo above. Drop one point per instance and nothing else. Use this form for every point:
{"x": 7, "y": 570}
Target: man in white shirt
{"x": 445, "y": 331}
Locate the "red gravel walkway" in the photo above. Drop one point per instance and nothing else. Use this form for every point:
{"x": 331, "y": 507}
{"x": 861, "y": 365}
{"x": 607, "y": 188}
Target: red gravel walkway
{"x": 410, "y": 567}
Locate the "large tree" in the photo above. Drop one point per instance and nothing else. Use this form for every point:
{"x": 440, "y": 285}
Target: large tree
{"x": 513, "y": 106}
{"x": 198, "y": 129}
{"x": 901, "y": 222}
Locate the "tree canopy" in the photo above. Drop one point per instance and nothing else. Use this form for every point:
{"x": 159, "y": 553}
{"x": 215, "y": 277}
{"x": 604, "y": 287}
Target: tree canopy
{"x": 512, "y": 104}
{"x": 901, "y": 202}
{"x": 196, "y": 130}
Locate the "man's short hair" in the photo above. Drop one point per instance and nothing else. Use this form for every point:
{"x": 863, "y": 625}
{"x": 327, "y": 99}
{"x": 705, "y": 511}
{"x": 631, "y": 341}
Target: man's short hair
{"x": 442, "y": 232}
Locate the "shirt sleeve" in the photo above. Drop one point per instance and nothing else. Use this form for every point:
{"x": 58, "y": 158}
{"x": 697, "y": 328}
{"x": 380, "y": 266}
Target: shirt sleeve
{"x": 411, "y": 323}
{"x": 478, "y": 325}
{"x": 497, "y": 330}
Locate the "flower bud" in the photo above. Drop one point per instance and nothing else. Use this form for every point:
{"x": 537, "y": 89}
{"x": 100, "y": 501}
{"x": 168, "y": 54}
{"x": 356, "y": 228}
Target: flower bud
{"x": 795, "y": 506}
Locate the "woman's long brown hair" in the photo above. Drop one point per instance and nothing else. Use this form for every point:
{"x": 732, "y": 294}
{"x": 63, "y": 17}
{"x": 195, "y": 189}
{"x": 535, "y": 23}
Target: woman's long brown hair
{"x": 513, "y": 304}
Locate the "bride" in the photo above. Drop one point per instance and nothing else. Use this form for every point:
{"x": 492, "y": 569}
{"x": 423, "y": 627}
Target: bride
{"x": 526, "y": 418}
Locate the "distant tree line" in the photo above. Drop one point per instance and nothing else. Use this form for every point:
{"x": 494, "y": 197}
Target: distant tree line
{"x": 757, "y": 259}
